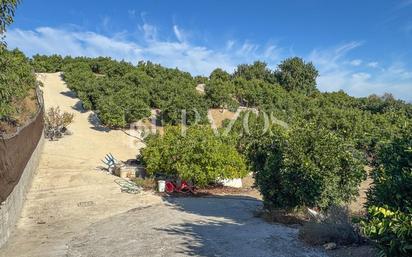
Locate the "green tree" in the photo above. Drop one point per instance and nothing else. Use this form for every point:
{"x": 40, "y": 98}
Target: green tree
{"x": 219, "y": 93}
{"x": 392, "y": 175}
{"x": 43, "y": 63}
{"x": 295, "y": 74}
{"x": 7, "y": 11}
{"x": 16, "y": 79}
{"x": 389, "y": 219}
{"x": 197, "y": 155}
{"x": 219, "y": 74}
{"x": 305, "y": 166}
{"x": 257, "y": 70}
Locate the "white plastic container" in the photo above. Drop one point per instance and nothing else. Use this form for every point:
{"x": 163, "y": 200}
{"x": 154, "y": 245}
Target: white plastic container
{"x": 236, "y": 182}
{"x": 161, "y": 185}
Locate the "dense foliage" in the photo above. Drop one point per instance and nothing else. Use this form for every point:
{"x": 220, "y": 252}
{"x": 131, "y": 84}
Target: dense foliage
{"x": 389, "y": 219}
{"x": 122, "y": 93}
{"x": 392, "y": 177}
{"x": 220, "y": 90}
{"x": 7, "y": 10}
{"x": 16, "y": 79}
{"x": 323, "y": 156}
{"x": 303, "y": 166}
{"x": 295, "y": 74}
{"x": 43, "y": 63}
{"x": 289, "y": 93}
{"x": 197, "y": 155}
{"x": 392, "y": 230}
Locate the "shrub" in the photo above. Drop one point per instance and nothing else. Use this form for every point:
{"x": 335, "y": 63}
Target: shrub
{"x": 56, "y": 122}
{"x": 389, "y": 220}
{"x": 190, "y": 102}
{"x": 295, "y": 74}
{"x": 392, "y": 176}
{"x": 121, "y": 108}
{"x": 289, "y": 92}
{"x": 44, "y": 63}
{"x": 392, "y": 230}
{"x": 219, "y": 94}
{"x": 146, "y": 183}
{"x": 111, "y": 114}
{"x": 16, "y": 79}
{"x": 257, "y": 70}
{"x": 199, "y": 156}
{"x": 305, "y": 166}
{"x": 103, "y": 83}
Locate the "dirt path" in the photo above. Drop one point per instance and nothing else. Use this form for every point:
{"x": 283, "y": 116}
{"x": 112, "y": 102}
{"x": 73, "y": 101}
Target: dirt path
{"x": 67, "y": 179}
{"x": 74, "y": 210}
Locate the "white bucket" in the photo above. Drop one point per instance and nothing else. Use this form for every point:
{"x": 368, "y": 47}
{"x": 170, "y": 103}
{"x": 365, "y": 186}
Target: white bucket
{"x": 235, "y": 183}
{"x": 161, "y": 185}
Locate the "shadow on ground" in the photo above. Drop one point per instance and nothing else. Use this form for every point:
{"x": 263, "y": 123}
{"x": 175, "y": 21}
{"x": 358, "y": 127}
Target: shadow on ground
{"x": 70, "y": 94}
{"x": 96, "y": 124}
{"x": 211, "y": 226}
{"x": 79, "y": 107}
{"x": 92, "y": 118}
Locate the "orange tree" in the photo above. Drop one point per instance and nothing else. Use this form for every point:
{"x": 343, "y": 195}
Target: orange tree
{"x": 197, "y": 154}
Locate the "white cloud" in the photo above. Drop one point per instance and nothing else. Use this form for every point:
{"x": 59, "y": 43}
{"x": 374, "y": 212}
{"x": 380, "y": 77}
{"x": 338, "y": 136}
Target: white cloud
{"x": 398, "y": 69}
{"x": 336, "y": 73}
{"x": 106, "y": 23}
{"x": 180, "y": 53}
{"x": 248, "y": 49}
{"x": 361, "y": 76}
{"x": 149, "y": 32}
{"x": 178, "y": 33}
{"x": 273, "y": 52}
{"x": 356, "y": 62}
{"x": 47, "y": 40}
{"x": 373, "y": 64}
{"x": 337, "y": 70}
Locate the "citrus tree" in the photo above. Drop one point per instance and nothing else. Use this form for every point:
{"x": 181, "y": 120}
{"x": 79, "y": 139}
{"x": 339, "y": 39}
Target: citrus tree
{"x": 305, "y": 166}
{"x": 196, "y": 154}
{"x": 389, "y": 220}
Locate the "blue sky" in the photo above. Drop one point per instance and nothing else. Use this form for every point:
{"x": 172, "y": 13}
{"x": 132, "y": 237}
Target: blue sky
{"x": 362, "y": 47}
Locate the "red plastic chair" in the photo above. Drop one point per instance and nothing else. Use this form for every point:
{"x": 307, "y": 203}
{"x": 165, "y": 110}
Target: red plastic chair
{"x": 182, "y": 187}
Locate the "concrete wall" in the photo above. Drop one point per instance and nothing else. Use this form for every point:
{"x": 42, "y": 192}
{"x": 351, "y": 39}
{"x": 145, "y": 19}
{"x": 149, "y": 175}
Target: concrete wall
{"x": 10, "y": 209}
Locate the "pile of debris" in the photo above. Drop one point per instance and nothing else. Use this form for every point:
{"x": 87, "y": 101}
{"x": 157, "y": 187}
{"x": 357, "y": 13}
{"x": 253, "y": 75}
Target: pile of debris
{"x": 127, "y": 171}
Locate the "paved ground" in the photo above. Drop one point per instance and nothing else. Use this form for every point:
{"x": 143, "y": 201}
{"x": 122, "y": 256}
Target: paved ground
{"x": 189, "y": 227}
{"x": 73, "y": 210}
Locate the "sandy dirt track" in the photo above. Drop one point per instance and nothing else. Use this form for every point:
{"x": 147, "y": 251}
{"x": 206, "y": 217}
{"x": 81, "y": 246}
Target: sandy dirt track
{"x": 74, "y": 210}
{"x": 68, "y": 193}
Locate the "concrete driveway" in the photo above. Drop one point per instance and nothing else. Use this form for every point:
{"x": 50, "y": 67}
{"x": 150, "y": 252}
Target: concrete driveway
{"x": 218, "y": 226}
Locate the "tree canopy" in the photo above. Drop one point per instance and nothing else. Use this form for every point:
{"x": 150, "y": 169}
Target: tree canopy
{"x": 198, "y": 155}
{"x": 16, "y": 79}
{"x": 296, "y": 74}
{"x": 7, "y": 11}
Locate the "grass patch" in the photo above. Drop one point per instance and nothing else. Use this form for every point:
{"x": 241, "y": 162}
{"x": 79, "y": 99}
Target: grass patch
{"x": 146, "y": 183}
